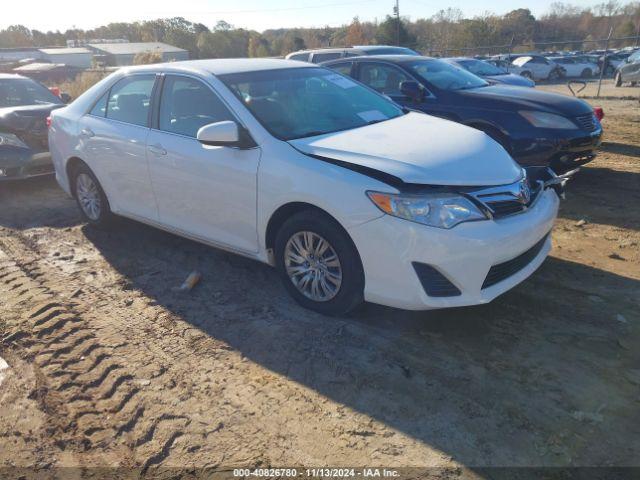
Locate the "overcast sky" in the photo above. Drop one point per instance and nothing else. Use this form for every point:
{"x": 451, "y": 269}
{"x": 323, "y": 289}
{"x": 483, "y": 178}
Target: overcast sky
{"x": 252, "y": 14}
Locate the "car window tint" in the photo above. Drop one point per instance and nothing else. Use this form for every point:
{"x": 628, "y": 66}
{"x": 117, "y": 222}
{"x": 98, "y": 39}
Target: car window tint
{"x": 302, "y": 57}
{"x": 100, "y": 108}
{"x": 130, "y": 99}
{"x": 187, "y": 104}
{"x": 385, "y": 79}
{"x": 343, "y": 68}
{"x": 325, "y": 57}
{"x": 24, "y": 91}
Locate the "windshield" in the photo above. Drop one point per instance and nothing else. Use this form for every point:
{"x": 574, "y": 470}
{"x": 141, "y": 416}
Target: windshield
{"x": 16, "y": 92}
{"x": 304, "y": 102}
{"x": 445, "y": 76}
{"x": 478, "y": 67}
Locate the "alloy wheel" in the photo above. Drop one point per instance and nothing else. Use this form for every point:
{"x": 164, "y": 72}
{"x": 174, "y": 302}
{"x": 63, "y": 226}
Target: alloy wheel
{"x": 88, "y": 196}
{"x": 313, "y": 266}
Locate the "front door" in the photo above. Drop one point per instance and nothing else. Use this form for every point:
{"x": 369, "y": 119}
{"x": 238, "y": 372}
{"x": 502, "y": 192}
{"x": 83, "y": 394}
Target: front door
{"x": 207, "y": 192}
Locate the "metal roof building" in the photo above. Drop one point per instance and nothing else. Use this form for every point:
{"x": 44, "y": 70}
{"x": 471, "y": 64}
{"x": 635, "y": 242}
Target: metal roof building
{"x": 121, "y": 54}
{"x": 74, "y": 57}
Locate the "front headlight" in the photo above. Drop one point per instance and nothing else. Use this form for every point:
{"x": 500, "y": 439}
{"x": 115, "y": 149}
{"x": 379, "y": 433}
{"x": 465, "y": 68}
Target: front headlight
{"x": 11, "y": 140}
{"x": 548, "y": 120}
{"x": 442, "y": 210}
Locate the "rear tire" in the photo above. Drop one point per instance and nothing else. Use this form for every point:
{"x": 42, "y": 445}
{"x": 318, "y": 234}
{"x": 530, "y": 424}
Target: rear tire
{"x": 325, "y": 277}
{"x": 90, "y": 197}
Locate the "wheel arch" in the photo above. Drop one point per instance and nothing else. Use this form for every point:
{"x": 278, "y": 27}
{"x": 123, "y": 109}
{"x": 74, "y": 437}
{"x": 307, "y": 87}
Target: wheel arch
{"x": 71, "y": 166}
{"x": 286, "y": 211}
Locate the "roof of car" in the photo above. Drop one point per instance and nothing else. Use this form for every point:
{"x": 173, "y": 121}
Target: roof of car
{"x": 387, "y": 58}
{"x": 222, "y": 66}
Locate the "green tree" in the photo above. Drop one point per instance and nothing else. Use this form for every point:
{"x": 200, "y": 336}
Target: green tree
{"x": 387, "y": 33}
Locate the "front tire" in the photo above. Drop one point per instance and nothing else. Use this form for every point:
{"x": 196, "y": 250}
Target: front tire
{"x": 319, "y": 264}
{"x": 90, "y": 197}
{"x": 617, "y": 80}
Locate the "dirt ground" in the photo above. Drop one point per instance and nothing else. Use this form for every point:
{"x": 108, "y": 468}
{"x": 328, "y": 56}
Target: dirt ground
{"x": 109, "y": 367}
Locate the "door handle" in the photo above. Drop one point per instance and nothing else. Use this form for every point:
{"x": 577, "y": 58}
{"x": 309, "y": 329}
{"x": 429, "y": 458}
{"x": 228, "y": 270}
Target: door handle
{"x": 87, "y": 132}
{"x": 157, "y": 149}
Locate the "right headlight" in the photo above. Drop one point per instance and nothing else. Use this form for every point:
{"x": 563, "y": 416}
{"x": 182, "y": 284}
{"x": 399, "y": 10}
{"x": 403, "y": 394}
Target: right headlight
{"x": 548, "y": 120}
{"x": 441, "y": 210}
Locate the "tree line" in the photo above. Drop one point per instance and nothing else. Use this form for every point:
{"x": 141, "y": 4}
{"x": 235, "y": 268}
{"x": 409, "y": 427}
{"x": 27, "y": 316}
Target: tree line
{"x": 445, "y": 31}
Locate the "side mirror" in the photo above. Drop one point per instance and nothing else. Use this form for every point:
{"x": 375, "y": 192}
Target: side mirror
{"x": 413, "y": 90}
{"x": 65, "y": 97}
{"x": 220, "y": 134}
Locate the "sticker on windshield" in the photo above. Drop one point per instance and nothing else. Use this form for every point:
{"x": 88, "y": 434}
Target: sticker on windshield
{"x": 341, "y": 81}
{"x": 372, "y": 115}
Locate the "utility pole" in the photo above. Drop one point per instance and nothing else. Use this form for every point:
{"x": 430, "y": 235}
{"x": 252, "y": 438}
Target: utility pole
{"x": 396, "y": 11}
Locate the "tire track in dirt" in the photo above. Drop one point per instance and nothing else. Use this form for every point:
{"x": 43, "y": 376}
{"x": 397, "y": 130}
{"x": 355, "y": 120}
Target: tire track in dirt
{"x": 90, "y": 399}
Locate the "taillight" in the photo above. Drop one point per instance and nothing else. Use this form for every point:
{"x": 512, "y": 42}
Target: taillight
{"x": 48, "y": 122}
{"x": 599, "y": 113}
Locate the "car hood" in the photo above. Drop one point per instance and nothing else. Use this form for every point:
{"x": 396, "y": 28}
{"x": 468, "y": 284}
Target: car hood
{"x": 419, "y": 149}
{"x": 510, "y": 79}
{"x": 499, "y": 97}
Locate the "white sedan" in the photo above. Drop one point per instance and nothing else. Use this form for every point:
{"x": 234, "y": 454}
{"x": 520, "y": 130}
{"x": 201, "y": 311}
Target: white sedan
{"x": 297, "y": 166}
{"x": 577, "y": 66}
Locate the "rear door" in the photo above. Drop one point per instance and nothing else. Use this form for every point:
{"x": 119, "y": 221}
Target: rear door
{"x": 205, "y": 191}
{"x": 113, "y": 141}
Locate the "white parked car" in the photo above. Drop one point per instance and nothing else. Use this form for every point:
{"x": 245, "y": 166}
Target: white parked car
{"x": 295, "y": 165}
{"x": 536, "y": 67}
{"x": 577, "y": 66}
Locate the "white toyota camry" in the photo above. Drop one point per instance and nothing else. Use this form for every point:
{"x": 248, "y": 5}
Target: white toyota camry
{"x": 349, "y": 196}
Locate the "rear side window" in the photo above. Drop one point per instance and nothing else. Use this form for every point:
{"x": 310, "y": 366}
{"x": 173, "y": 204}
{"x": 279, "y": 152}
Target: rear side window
{"x": 325, "y": 57}
{"x": 130, "y": 100}
{"x": 100, "y": 108}
{"x": 187, "y": 104}
{"x": 301, "y": 57}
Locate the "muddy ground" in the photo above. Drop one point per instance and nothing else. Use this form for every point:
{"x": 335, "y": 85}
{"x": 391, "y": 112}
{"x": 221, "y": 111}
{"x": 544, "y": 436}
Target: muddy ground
{"x": 108, "y": 366}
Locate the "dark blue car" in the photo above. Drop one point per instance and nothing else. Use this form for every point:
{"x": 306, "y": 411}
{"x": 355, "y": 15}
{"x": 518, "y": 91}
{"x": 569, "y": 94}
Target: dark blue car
{"x": 536, "y": 128}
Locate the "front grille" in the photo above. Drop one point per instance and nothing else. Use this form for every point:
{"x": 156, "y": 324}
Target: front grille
{"x": 505, "y": 200}
{"x": 505, "y": 208}
{"x": 504, "y": 270}
{"x": 433, "y": 282}
{"x": 587, "y": 122}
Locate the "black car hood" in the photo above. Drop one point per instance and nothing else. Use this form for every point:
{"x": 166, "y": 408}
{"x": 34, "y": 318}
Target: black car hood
{"x": 498, "y": 97}
{"x": 28, "y": 123}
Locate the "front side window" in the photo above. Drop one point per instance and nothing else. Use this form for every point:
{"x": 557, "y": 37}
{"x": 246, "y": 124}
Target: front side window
{"x": 304, "y": 102}
{"x": 343, "y": 68}
{"x": 15, "y": 92}
{"x": 385, "y": 79}
{"x": 130, "y": 99}
{"x": 187, "y": 104}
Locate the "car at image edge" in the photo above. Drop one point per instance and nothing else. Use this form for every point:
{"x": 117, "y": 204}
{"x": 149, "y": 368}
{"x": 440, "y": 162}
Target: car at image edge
{"x": 24, "y": 107}
{"x": 536, "y": 127}
{"x": 351, "y": 197}
{"x": 628, "y": 70}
